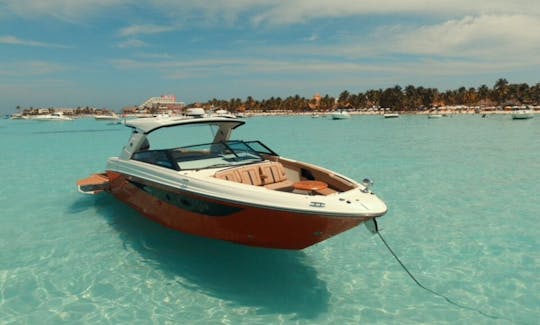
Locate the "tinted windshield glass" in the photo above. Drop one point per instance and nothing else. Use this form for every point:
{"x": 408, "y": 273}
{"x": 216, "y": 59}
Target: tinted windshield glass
{"x": 214, "y": 155}
{"x": 201, "y": 156}
{"x": 174, "y": 137}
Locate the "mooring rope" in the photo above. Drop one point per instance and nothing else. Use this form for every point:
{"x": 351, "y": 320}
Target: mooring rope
{"x": 433, "y": 291}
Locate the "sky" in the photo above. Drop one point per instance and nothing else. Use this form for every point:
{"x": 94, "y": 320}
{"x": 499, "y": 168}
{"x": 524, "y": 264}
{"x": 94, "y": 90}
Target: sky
{"x": 116, "y": 53}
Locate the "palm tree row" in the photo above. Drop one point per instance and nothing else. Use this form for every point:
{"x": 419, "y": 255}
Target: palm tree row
{"x": 410, "y": 98}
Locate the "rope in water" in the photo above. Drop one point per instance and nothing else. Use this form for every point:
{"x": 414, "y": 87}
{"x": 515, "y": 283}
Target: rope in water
{"x": 433, "y": 291}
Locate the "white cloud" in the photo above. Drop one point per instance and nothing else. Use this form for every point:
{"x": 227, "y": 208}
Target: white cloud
{"x": 505, "y": 40}
{"x": 145, "y": 29}
{"x": 493, "y": 38}
{"x": 480, "y": 37}
{"x": 132, "y": 43}
{"x": 301, "y": 11}
{"x": 268, "y": 12}
{"x": 306, "y": 64}
{"x": 437, "y": 37}
{"x": 30, "y": 68}
{"x": 12, "y": 40}
{"x": 314, "y": 37}
{"x": 153, "y": 56}
{"x": 67, "y": 10}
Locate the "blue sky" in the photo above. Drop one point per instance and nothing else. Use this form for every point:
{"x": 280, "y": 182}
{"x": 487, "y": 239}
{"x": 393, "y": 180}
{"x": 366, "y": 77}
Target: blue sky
{"x": 114, "y": 53}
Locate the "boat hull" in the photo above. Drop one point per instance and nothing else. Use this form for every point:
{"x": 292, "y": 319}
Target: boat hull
{"x": 230, "y": 221}
{"x": 341, "y": 116}
{"x": 522, "y": 116}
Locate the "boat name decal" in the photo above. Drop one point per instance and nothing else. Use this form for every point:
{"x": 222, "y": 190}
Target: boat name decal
{"x": 317, "y": 204}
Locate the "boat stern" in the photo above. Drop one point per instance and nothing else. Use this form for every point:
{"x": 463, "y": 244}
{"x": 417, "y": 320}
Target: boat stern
{"x": 94, "y": 184}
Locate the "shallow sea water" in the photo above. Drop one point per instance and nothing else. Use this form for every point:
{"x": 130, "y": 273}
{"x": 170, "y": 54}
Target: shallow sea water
{"x": 463, "y": 216}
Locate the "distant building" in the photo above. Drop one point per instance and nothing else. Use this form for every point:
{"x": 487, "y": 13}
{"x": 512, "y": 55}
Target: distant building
{"x": 315, "y": 102}
{"x": 163, "y": 103}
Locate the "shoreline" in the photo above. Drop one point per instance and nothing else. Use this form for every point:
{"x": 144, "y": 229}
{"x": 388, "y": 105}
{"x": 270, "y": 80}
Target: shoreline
{"x": 446, "y": 113}
{"x": 375, "y": 113}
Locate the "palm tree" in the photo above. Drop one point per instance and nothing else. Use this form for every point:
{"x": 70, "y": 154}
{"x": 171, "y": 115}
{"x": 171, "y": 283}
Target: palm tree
{"x": 344, "y": 98}
{"x": 412, "y": 98}
{"x": 534, "y": 93}
{"x": 483, "y": 93}
{"x": 500, "y": 91}
{"x": 373, "y": 97}
{"x": 392, "y": 98}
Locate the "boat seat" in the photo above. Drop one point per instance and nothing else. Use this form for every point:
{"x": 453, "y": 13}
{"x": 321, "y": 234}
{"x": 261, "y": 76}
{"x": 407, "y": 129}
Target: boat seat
{"x": 274, "y": 177}
{"x": 250, "y": 175}
{"x": 280, "y": 186}
{"x": 270, "y": 175}
{"x": 325, "y": 191}
{"x": 229, "y": 175}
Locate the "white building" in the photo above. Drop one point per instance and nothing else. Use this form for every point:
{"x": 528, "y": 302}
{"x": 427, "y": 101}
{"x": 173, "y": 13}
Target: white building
{"x": 162, "y": 102}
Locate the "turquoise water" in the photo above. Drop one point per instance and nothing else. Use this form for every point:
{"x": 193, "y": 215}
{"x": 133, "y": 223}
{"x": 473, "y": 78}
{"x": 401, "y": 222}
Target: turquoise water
{"x": 463, "y": 216}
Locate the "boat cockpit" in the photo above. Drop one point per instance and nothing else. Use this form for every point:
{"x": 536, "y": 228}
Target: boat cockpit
{"x": 223, "y": 154}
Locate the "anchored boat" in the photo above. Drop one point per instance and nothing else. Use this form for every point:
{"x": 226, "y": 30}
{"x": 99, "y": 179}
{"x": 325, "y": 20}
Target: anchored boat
{"x": 522, "y": 114}
{"x": 341, "y": 115}
{"x": 233, "y": 190}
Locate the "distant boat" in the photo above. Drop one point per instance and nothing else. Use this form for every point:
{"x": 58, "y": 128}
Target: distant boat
{"x": 522, "y": 114}
{"x": 107, "y": 117}
{"x": 196, "y": 112}
{"x": 223, "y": 113}
{"x": 391, "y": 115}
{"x": 341, "y": 115}
{"x": 435, "y": 115}
{"x": 19, "y": 116}
{"x": 56, "y": 116}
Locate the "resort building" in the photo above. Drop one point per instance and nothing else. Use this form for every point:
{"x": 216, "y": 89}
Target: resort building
{"x": 163, "y": 103}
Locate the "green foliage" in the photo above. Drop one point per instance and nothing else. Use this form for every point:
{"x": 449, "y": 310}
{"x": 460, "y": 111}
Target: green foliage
{"x": 410, "y": 98}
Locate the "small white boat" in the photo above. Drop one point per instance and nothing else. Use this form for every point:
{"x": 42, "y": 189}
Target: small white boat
{"x": 56, "y": 116}
{"x": 107, "y": 117}
{"x": 435, "y": 115}
{"x": 19, "y": 116}
{"x": 341, "y": 115}
{"x": 391, "y": 115}
{"x": 196, "y": 112}
{"x": 223, "y": 113}
{"x": 522, "y": 114}
{"x": 233, "y": 190}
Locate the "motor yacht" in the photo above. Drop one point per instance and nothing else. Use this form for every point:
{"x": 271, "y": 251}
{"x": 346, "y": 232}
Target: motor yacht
{"x": 232, "y": 190}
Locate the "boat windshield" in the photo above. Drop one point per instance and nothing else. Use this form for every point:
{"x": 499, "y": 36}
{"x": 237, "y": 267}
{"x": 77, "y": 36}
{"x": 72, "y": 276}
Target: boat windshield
{"x": 208, "y": 155}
